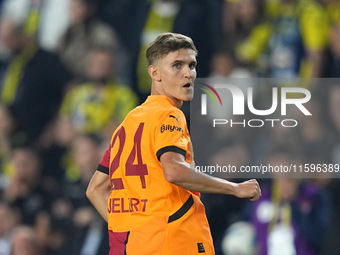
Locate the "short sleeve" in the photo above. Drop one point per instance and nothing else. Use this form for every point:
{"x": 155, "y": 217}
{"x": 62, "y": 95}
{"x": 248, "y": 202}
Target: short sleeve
{"x": 171, "y": 134}
{"x": 105, "y": 162}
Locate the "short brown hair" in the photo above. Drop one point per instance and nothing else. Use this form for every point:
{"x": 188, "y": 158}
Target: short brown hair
{"x": 166, "y": 43}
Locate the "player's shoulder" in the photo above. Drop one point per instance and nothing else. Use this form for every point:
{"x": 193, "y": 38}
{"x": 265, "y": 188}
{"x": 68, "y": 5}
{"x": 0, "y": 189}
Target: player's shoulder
{"x": 157, "y": 115}
{"x": 173, "y": 117}
{"x": 157, "y": 107}
{"x": 156, "y": 111}
{"x": 174, "y": 113}
{"x": 167, "y": 112}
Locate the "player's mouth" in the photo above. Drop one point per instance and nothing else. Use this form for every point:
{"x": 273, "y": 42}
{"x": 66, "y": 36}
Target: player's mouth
{"x": 188, "y": 85}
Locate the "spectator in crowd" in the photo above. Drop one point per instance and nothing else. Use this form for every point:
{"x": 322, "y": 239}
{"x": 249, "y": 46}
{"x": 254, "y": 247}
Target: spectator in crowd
{"x": 96, "y": 106}
{"x": 245, "y": 30}
{"x": 292, "y": 216}
{"x": 333, "y": 60}
{"x": 84, "y": 33}
{"x": 6, "y": 127}
{"x": 332, "y": 245}
{"x": 54, "y": 227}
{"x": 24, "y": 190}
{"x": 315, "y": 134}
{"x": 90, "y": 234}
{"x": 32, "y": 80}
{"x": 46, "y": 190}
{"x": 40, "y": 17}
{"x": 145, "y": 19}
{"x": 70, "y": 213}
{"x": 25, "y": 242}
{"x": 292, "y": 44}
{"x": 334, "y": 63}
{"x": 49, "y": 31}
{"x": 225, "y": 65}
{"x": 239, "y": 19}
{"x": 10, "y": 217}
{"x": 85, "y": 149}
{"x": 160, "y": 18}
{"x": 223, "y": 210}
{"x": 101, "y": 103}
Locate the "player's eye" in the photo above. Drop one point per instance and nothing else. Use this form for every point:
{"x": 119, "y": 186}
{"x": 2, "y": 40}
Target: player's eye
{"x": 192, "y": 66}
{"x": 177, "y": 65}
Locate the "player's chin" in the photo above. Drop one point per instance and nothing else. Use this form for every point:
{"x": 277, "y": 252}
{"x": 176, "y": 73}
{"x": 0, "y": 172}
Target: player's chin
{"x": 188, "y": 98}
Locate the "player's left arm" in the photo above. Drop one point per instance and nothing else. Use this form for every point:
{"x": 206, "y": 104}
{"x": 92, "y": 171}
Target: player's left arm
{"x": 98, "y": 192}
{"x": 178, "y": 171}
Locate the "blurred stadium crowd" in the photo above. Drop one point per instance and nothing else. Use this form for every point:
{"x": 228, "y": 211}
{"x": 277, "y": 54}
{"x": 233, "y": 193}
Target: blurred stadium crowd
{"x": 70, "y": 70}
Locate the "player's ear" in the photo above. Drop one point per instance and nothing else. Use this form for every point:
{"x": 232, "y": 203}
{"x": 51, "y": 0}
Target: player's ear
{"x": 154, "y": 73}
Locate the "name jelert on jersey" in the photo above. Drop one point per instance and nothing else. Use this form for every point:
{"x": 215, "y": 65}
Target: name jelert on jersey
{"x": 127, "y": 205}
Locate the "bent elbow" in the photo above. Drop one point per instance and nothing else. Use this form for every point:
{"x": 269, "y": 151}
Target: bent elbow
{"x": 174, "y": 175}
{"x": 88, "y": 192}
{"x": 175, "y": 169}
{"x": 171, "y": 177}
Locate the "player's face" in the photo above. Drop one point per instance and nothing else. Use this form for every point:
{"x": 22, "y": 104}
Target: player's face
{"x": 177, "y": 74}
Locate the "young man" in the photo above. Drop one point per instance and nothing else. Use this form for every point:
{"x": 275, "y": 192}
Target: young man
{"x": 146, "y": 186}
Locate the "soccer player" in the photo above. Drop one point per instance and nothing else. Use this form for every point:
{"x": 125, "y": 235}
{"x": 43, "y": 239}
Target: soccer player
{"x": 146, "y": 186}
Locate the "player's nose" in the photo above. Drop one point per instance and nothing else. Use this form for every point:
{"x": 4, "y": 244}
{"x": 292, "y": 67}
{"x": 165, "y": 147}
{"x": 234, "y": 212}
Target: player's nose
{"x": 188, "y": 73}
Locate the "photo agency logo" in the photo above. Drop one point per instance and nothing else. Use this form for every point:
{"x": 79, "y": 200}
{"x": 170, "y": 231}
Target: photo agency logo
{"x": 242, "y": 104}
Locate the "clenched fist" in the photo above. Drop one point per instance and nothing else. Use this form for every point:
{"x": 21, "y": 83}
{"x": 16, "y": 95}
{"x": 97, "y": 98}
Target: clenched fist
{"x": 248, "y": 189}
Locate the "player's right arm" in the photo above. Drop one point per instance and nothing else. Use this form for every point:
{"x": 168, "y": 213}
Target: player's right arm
{"x": 98, "y": 192}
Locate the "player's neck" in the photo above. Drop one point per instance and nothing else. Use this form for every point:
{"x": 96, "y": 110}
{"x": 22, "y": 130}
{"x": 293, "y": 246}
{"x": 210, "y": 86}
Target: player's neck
{"x": 154, "y": 92}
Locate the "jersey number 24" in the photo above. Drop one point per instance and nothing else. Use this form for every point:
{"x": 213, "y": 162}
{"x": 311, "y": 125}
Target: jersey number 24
{"x": 131, "y": 169}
